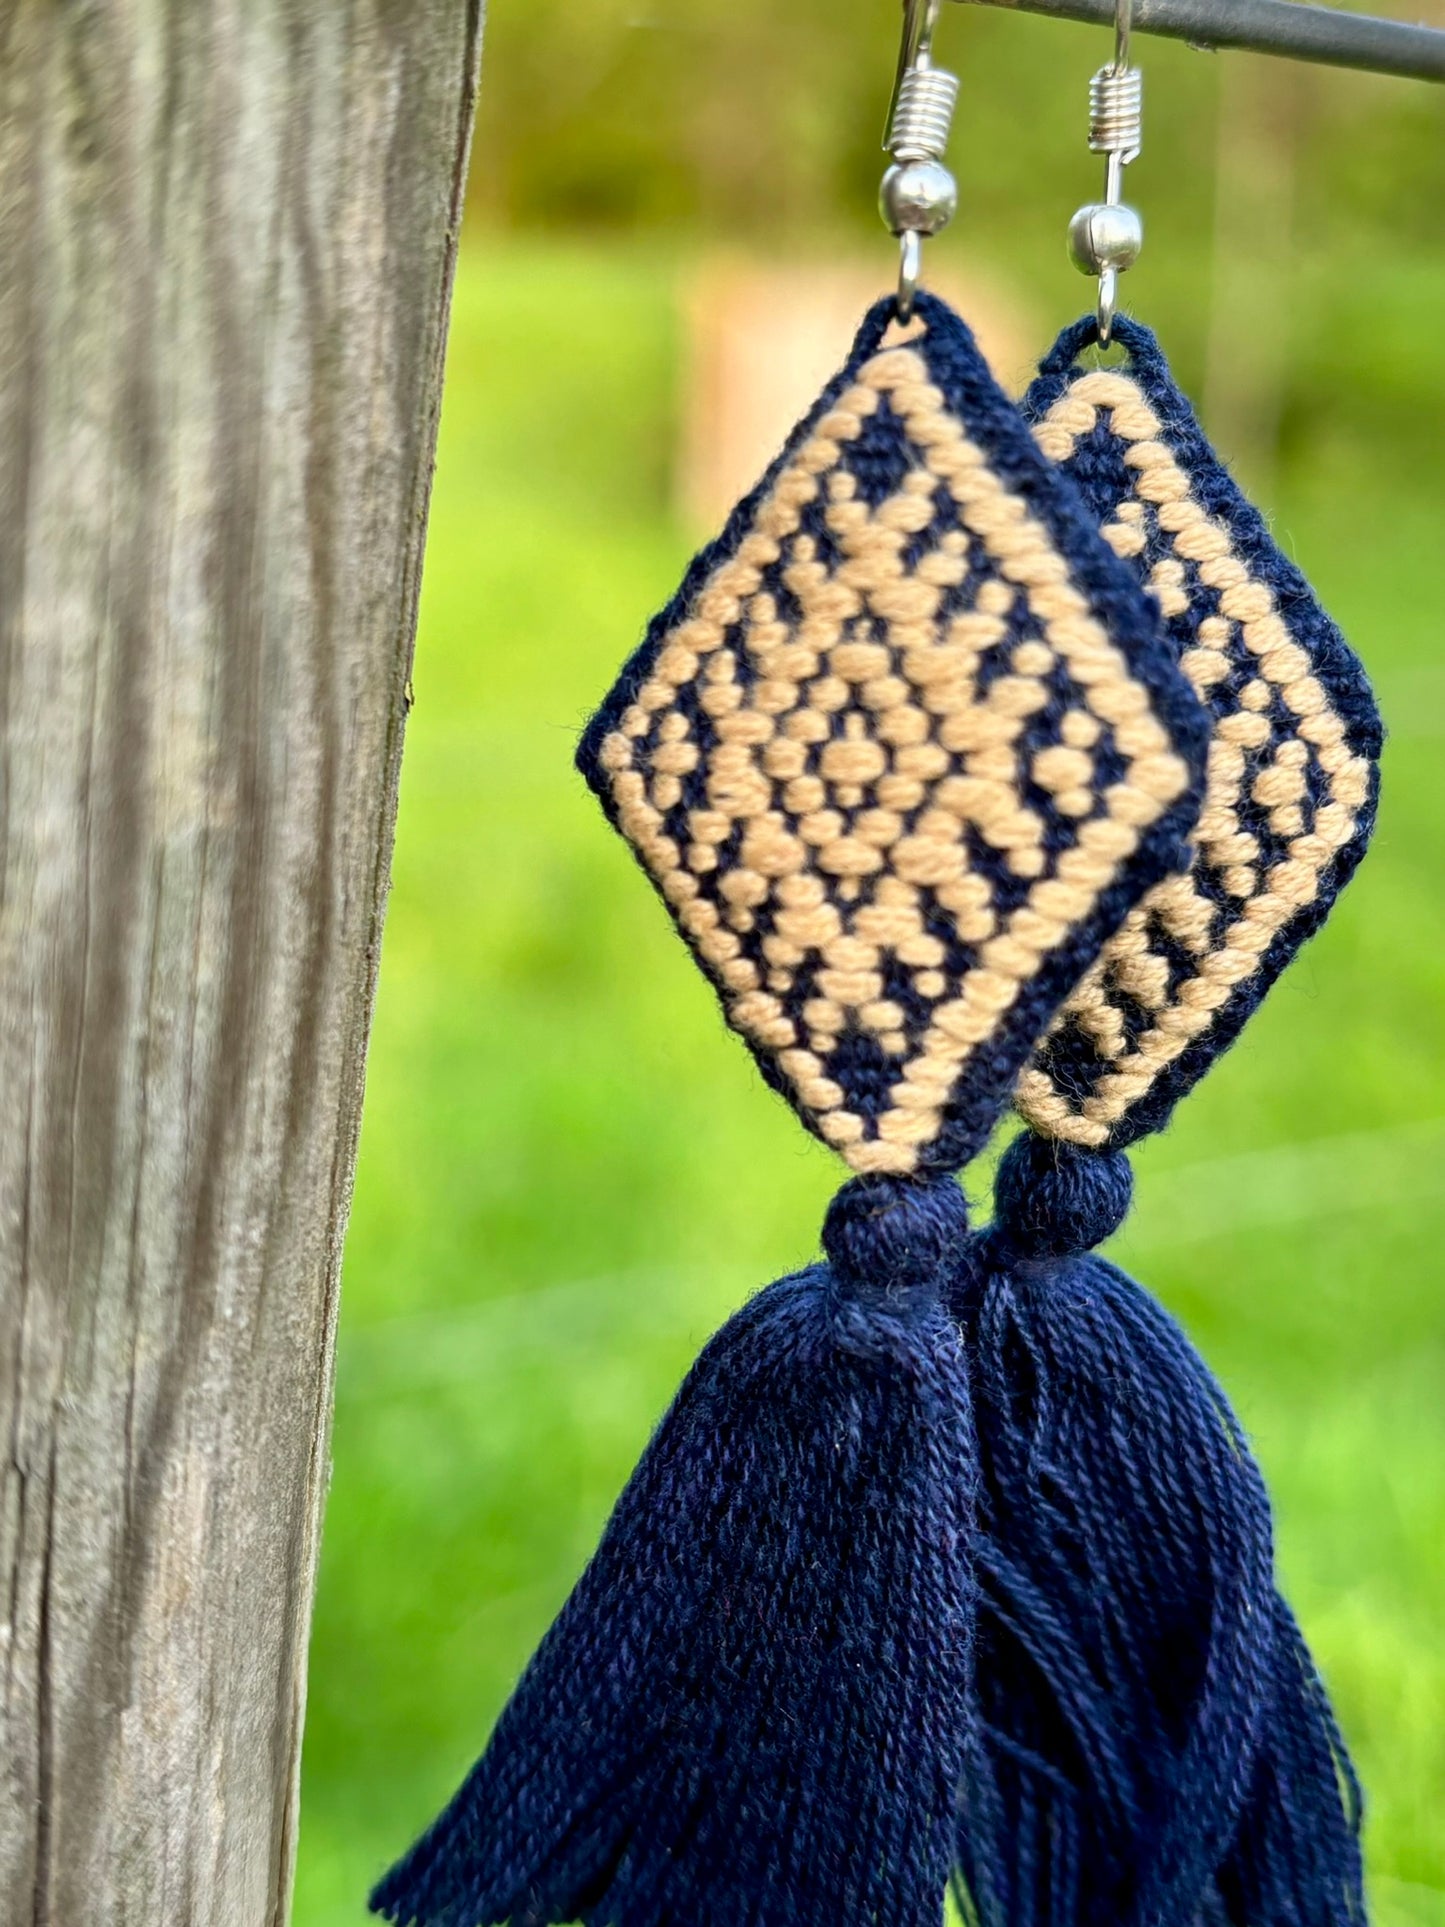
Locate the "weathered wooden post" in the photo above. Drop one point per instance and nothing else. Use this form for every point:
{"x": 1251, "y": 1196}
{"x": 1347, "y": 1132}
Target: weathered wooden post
{"x": 226, "y": 243}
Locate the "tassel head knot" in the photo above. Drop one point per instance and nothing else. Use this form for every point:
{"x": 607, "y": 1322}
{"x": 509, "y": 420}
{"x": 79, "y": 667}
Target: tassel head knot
{"x": 1054, "y": 1199}
{"x": 890, "y": 1235}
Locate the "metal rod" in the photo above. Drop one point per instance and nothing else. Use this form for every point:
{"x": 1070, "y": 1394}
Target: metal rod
{"x": 1286, "y": 27}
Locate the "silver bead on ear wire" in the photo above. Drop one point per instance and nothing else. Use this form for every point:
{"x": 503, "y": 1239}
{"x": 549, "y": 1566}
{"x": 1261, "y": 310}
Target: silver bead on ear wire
{"x": 1105, "y": 237}
{"x": 918, "y": 195}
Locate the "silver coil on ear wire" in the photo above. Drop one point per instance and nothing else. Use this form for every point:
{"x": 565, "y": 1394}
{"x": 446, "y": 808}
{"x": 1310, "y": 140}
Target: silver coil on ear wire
{"x": 1116, "y": 113}
{"x": 922, "y": 117}
{"x": 1105, "y": 237}
{"x": 918, "y": 196}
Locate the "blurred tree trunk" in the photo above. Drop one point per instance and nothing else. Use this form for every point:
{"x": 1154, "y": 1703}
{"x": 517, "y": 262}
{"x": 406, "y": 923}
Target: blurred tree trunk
{"x": 226, "y": 240}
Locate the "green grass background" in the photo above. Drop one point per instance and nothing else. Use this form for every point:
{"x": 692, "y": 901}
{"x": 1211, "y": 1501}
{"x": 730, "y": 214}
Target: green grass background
{"x": 570, "y": 1173}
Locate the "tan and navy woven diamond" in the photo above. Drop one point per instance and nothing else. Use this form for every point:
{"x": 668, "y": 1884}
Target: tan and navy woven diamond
{"x": 902, "y": 753}
{"x": 1293, "y": 762}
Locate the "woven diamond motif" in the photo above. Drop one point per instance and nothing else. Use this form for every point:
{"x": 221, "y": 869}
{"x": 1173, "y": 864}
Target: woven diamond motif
{"x": 886, "y": 765}
{"x": 1292, "y": 777}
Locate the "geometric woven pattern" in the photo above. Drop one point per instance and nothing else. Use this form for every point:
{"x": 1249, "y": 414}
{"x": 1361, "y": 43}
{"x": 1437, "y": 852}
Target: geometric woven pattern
{"x": 901, "y": 754}
{"x": 1292, "y": 772}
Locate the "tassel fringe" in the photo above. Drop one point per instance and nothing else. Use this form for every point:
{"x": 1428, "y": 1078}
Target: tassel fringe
{"x": 747, "y": 1714}
{"x": 1152, "y": 1746}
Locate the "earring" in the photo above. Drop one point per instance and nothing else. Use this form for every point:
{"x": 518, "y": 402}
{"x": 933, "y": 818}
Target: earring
{"x": 900, "y": 756}
{"x": 1105, "y": 237}
{"x": 1154, "y": 1741}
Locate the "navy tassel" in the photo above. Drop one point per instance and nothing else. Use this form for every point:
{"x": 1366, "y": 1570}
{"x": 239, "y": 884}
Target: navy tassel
{"x": 1297, "y": 1857}
{"x": 1151, "y": 1746}
{"x": 750, "y": 1712}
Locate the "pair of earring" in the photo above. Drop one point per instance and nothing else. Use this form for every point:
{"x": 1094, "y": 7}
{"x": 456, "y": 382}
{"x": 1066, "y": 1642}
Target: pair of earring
{"x": 991, "y": 755}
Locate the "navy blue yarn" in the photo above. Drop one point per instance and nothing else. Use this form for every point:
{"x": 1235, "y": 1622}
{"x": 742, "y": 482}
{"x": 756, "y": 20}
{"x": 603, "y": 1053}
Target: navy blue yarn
{"x": 993, "y": 421}
{"x": 1296, "y": 1858}
{"x": 892, "y": 1235}
{"x": 1150, "y": 1745}
{"x": 750, "y": 1711}
{"x": 1334, "y": 663}
{"x": 1054, "y": 1199}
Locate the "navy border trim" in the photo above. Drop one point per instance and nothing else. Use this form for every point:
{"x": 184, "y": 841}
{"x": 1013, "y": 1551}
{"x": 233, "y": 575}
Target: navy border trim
{"x": 1336, "y": 665}
{"x": 985, "y": 1087}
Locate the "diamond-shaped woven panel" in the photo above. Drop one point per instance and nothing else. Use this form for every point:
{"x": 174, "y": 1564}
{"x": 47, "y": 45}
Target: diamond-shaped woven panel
{"x": 1292, "y": 777}
{"x": 901, "y": 753}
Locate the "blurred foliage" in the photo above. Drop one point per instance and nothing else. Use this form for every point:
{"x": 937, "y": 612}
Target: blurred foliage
{"x": 759, "y": 119}
{"x": 569, "y": 1172}
{"x": 754, "y": 122}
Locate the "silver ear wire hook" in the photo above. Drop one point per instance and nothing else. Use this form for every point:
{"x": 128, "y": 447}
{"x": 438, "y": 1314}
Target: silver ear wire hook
{"x": 1123, "y": 25}
{"x": 920, "y": 18}
{"x": 1105, "y": 237}
{"x": 918, "y": 195}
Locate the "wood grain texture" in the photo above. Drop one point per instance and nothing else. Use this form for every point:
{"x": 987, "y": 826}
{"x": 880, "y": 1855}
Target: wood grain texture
{"x": 226, "y": 243}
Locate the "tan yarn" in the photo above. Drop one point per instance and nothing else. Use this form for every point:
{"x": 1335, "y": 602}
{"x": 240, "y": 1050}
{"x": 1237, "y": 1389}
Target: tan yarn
{"x": 1245, "y": 763}
{"x": 843, "y": 850}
